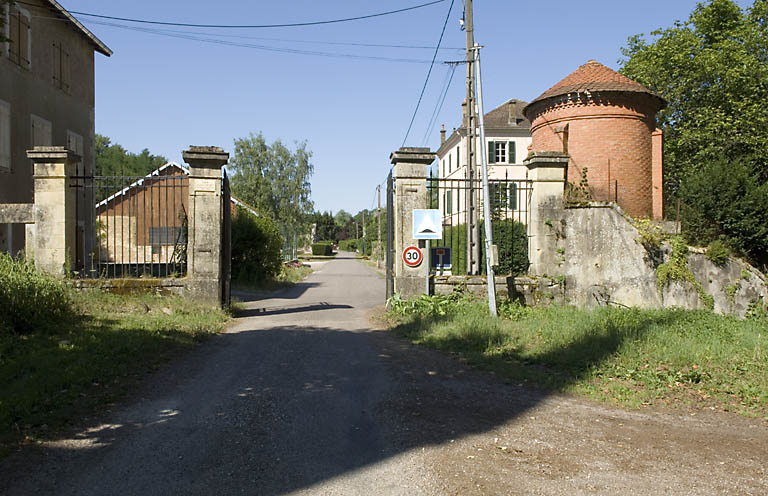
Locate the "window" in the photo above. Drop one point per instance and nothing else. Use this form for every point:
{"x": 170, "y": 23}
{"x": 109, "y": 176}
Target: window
{"x": 42, "y": 131}
{"x": 449, "y": 164}
{"x": 448, "y": 206}
{"x": 166, "y": 236}
{"x": 60, "y": 67}
{"x": 501, "y": 152}
{"x": 19, "y": 33}
{"x": 5, "y": 136}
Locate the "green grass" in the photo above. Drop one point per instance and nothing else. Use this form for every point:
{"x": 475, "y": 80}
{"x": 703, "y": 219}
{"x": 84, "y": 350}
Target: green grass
{"x": 107, "y": 345}
{"x": 625, "y": 356}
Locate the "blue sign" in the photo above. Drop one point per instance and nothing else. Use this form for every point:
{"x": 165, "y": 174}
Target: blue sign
{"x": 440, "y": 258}
{"x": 427, "y": 224}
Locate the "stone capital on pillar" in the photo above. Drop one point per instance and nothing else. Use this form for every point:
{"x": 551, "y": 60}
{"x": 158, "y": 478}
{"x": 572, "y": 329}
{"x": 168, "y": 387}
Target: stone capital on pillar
{"x": 548, "y": 172}
{"x": 205, "y": 220}
{"x": 410, "y": 193}
{"x": 55, "y": 210}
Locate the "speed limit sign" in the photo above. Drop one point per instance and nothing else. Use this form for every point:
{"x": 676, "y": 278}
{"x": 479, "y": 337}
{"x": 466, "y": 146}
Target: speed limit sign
{"x": 412, "y": 256}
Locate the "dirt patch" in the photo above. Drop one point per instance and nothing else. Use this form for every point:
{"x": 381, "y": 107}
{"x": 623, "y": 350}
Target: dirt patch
{"x": 483, "y": 436}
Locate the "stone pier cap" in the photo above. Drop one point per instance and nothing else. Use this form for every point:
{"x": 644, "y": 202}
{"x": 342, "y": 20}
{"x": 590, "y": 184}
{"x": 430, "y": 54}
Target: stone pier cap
{"x": 205, "y": 156}
{"x": 412, "y": 155}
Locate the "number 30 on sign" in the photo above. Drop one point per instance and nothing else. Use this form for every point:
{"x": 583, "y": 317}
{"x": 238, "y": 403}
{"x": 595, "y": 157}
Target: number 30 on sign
{"x": 412, "y": 256}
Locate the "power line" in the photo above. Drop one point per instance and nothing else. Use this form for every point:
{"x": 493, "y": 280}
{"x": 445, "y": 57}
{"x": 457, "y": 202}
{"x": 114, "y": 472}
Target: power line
{"x": 260, "y": 47}
{"x": 431, "y": 65}
{"x": 251, "y": 26}
{"x": 439, "y": 106}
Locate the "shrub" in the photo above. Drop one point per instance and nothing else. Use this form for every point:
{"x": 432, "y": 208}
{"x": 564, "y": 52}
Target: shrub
{"x": 717, "y": 253}
{"x": 322, "y": 249}
{"x": 349, "y": 245}
{"x": 30, "y": 300}
{"x": 725, "y": 199}
{"x": 256, "y": 248}
{"x": 509, "y": 235}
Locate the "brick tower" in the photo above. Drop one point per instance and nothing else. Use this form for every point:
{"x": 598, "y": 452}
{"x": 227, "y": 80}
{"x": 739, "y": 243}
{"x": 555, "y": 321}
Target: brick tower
{"x": 606, "y": 122}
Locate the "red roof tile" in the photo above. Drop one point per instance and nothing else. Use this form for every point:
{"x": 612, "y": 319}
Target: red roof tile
{"x": 594, "y": 76}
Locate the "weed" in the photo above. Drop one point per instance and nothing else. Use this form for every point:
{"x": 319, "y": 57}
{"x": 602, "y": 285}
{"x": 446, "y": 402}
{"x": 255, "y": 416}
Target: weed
{"x": 718, "y": 253}
{"x": 676, "y": 269}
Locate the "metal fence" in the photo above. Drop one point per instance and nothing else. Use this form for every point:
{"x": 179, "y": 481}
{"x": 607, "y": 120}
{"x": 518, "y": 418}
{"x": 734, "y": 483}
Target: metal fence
{"x": 132, "y": 226}
{"x": 509, "y": 201}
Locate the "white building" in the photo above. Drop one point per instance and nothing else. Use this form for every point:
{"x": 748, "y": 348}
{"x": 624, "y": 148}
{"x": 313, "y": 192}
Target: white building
{"x": 507, "y": 138}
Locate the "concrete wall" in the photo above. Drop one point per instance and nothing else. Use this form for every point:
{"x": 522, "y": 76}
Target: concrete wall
{"x": 32, "y": 92}
{"x": 600, "y": 261}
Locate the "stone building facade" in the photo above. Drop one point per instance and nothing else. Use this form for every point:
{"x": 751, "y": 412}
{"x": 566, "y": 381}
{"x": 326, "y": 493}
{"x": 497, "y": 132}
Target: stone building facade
{"x": 606, "y": 123}
{"x": 46, "y": 99}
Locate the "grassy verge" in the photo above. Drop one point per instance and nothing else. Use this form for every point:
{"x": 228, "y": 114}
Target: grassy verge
{"x": 288, "y": 276}
{"x": 625, "y": 356}
{"x": 100, "y": 351}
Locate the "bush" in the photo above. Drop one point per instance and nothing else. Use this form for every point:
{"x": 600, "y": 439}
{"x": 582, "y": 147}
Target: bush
{"x": 509, "y": 235}
{"x": 717, "y": 253}
{"x": 349, "y": 245}
{"x": 725, "y": 200}
{"x": 322, "y": 248}
{"x": 30, "y": 300}
{"x": 256, "y": 248}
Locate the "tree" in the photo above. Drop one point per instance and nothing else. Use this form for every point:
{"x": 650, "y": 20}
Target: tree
{"x": 713, "y": 72}
{"x": 275, "y": 180}
{"x": 114, "y": 160}
{"x": 325, "y": 227}
{"x": 256, "y": 248}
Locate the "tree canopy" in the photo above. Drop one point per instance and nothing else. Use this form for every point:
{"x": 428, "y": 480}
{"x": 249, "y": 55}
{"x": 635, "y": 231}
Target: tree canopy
{"x": 114, "y": 160}
{"x": 713, "y": 72}
{"x": 275, "y": 180}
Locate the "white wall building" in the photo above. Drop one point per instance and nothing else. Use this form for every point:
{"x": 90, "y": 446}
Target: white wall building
{"x": 507, "y": 138}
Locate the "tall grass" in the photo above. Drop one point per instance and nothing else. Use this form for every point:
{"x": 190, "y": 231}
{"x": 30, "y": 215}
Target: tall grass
{"x": 63, "y": 354}
{"x": 30, "y": 301}
{"x": 630, "y": 356}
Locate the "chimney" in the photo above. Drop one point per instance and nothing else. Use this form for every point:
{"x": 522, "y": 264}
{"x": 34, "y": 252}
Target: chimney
{"x": 464, "y": 114}
{"x": 442, "y": 134}
{"x": 512, "y": 119}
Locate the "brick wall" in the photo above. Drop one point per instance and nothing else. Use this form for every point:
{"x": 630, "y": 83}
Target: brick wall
{"x": 609, "y": 133}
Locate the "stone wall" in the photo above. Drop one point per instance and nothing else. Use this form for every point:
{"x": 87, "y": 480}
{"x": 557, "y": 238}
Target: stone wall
{"x": 599, "y": 259}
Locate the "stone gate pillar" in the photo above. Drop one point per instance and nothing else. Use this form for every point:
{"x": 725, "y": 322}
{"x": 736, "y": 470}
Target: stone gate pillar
{"x": 547, "y": 170}
{"x": 410, "y": 174}
{"x": 52, "y": 239}
{"x": 204, "y": 219}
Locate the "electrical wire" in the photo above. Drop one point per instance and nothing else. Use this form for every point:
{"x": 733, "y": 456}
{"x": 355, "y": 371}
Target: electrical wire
{"x": 439, "y": 106}
{"x": 263, "y": 47}
{"x": 431, "y": 65}
{"x": 249, "y": 26}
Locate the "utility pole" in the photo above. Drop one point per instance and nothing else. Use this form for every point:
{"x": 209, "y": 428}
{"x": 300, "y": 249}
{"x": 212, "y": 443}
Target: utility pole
{"x": 378, "y": 226}
{"x": 490, "y": 279}
{"x": 471, "y": 195}
{"x": 363, "y": 232}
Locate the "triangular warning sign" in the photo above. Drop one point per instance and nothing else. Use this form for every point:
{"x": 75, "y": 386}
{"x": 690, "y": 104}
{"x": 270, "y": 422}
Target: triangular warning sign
{"x": 426, "y": 226}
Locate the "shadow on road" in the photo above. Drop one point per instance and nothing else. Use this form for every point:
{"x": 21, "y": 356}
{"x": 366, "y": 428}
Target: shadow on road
{"x": 277, "y": 310}
{"x": 304, "y": 405}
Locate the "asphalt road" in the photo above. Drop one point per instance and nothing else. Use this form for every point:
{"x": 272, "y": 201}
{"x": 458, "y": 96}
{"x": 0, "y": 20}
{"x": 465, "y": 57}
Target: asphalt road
{"x": 300, "y": 396}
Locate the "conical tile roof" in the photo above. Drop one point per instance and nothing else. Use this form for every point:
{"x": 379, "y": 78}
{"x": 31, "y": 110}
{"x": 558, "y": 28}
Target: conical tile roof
{"x": 594, "y": 76}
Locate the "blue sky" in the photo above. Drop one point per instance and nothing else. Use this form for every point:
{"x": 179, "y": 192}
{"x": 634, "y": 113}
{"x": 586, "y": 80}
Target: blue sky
{"x": 165, "y": 93}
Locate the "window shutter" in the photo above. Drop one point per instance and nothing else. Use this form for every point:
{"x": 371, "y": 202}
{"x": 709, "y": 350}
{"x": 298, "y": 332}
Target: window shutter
{"x": 5, "y": 135}
{"x": 491, "y": 152}
{"x": 511, "y": 153}
{"x": 512, "y": 196}
{"x": 448, "y": 202}
{"x": 25, "y": 54}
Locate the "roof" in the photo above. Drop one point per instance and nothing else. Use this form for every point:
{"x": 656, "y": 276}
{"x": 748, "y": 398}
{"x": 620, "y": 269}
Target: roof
{"x": 508, "y": 114}
{"x": 97, "y": 43}
{"x": 594, "y": 76}
{"x": 155, "y": 173}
